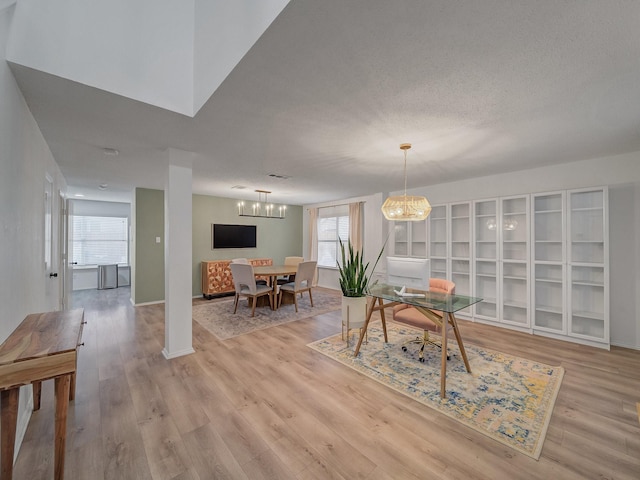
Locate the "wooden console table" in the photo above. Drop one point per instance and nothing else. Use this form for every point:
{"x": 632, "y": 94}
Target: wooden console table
{"x": 44, "y": 346}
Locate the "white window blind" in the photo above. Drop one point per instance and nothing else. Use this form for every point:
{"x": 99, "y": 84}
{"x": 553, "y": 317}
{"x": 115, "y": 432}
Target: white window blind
{"x": 100, "y": 240}
{"x": 333, "y": 223}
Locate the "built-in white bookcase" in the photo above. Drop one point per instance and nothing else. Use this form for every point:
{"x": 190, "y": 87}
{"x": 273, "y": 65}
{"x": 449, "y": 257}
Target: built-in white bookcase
{"x": 486, "y": 220}
{"x": 514, "y": 260}
{"x": 460, "y": 267}
{"x": 549, "y": 262}
{"x": 588, "y": 264}
{"x": 570, "y": 288}
{"x": 438, "y": 241}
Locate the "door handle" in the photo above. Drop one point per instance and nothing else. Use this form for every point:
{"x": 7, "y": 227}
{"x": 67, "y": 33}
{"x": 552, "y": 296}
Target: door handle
{"x": 53, "y": 275}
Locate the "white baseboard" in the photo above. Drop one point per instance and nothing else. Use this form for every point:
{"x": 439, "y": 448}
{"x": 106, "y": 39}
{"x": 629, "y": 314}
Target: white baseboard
{"x": 179, "y": 353}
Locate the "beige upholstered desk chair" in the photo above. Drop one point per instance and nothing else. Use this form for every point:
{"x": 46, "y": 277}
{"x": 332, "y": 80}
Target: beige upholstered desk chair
{"x": 410, "y": 316}
{"x": 290, "y": 261}
{"x": 245, "y": 284}
{"x": 304, "y": 281}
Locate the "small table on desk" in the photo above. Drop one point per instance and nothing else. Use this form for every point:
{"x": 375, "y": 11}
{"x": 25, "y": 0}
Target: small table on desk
{"x": 43, "y": 346}
{"x": 274, "y": 271}
{"x": 447, "y": 304}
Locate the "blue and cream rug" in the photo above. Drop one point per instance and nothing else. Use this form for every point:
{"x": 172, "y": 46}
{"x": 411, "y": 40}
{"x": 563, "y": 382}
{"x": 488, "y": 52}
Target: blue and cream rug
{"x": 507, "y": 398}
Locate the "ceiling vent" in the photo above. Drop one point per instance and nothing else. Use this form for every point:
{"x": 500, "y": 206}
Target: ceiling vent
{"x": 281, "y": 177}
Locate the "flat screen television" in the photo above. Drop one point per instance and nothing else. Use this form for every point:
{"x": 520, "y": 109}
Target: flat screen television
{"x": 409, "y": 272}
{"x": 233, "y": 236}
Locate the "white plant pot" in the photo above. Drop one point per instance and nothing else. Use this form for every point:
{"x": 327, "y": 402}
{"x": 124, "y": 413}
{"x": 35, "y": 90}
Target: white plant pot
{"x": 354, "y": 312}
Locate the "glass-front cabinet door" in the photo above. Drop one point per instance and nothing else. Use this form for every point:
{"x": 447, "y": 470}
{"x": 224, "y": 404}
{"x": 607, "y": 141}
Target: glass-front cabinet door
{"x": 460, "y": 248}
{"x": 486, "y": 258}
{"x": 514, "y": 255}
{"x": 438, "y": 245}
{"x": 588, "y": 264}
{"x": 410, "y": 239}
{"x": 400, "y": 239}
{"x": 549, "y": 271}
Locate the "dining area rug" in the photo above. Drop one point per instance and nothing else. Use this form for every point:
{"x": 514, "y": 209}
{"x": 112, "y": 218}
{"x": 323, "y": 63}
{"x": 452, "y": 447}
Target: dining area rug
{"x": 507, "y": 398}
{"x": 218, "y": 317}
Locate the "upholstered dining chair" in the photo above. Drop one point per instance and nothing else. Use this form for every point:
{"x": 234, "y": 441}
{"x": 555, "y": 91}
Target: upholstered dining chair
{"x": 409, "y": 315}
{"x": 245, "y": 285}
{"x": 304, "y": 280}
{"x": 244, "y": 261}
{"x": 290, "y": 261}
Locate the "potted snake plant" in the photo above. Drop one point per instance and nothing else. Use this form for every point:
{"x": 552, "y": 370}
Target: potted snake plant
{"x": 355, "y": 281}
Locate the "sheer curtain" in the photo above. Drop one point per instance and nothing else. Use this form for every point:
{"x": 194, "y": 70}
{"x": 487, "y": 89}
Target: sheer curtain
{"x": 313, "y": 239}
{"x": 355, "y": 225}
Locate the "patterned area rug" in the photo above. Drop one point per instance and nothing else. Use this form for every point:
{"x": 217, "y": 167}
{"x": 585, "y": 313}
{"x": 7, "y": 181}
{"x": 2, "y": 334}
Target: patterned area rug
{"x": 219, "y": 319}
{"x": 507, "y": 398}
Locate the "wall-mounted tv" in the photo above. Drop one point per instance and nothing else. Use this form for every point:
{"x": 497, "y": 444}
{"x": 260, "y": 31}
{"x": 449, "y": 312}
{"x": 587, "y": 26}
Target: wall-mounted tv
{"x": 233, "y": 236}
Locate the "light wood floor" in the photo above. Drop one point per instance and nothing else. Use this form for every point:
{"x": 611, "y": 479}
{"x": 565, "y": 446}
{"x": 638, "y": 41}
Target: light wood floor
{"x": 264, "y": 405}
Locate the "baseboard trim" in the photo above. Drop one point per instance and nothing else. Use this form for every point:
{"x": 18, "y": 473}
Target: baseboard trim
{"x": 179, "y": 353}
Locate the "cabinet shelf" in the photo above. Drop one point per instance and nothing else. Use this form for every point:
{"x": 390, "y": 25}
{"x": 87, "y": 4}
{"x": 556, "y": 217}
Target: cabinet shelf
{"x": 548, "y": 280}
{"x": 587, "y": 209}
{"x": 510, "y": 277}
{"x": 586, "y": 314}
{"x": 548, "y": 309}
{"x": 586, "y": 283}
{"x": 547, "y": 211}
{"x": 514, "y": 303}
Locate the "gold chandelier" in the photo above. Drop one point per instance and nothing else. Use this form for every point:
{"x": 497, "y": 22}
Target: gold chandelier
{"x": 403, "y": 207}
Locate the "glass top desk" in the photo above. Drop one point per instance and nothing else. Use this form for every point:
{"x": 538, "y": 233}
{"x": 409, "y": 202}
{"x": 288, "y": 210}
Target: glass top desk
{"x": 437, "y": 307}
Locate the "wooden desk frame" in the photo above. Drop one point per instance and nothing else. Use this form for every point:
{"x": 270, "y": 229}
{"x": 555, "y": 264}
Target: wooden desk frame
{"x": 437, "y": 319}
{"x": 43, "y": 347}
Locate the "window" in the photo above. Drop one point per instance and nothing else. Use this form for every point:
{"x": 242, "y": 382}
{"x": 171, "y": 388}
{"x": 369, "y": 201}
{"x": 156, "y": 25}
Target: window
{"x": 333, "y": 223}
{"x": 100, "y": 240}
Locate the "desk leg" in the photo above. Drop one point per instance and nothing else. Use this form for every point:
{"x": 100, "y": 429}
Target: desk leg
{"x": 363, "y": 332}
{"x": 454, "y": 324}
{"x": 9, "y": 408}
{"x": 62, "y": 403}
{"x": 384, "y": 322}
{"x": 443, "y": 366}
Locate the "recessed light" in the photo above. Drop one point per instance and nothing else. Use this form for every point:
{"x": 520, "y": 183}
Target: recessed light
{"x": 238, "y": 187}
{"x": 78, "y": 195}
{"x": 103, "y": 186}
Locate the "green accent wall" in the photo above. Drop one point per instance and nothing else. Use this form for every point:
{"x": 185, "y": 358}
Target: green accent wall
{"x": 276, "y": 239}
{"x": 148, "y": 269}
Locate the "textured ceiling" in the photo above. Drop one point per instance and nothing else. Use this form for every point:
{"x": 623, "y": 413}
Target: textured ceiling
{"x": 332, "y": 88}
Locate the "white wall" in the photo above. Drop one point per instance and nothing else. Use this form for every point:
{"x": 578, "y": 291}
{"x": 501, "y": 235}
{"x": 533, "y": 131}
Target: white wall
{"x": 171, "y": 54}
{"x": 621, "y": 173}
{"x": 25, "y": 160}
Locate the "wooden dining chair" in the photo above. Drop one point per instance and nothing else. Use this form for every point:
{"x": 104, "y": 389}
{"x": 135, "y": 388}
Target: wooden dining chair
{"x": 290, "y": 261}
{"x": 245, "y": 261}
{"x": 245, "y": 285}
{"x": 305, "y": 273}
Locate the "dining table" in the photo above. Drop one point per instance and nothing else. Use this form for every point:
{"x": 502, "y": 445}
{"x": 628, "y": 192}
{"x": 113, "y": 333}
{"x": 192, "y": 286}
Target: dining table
{"x": 273, "y": 272}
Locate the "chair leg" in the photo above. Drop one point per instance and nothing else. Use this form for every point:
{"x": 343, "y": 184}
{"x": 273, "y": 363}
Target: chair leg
{"x": 295, "y": 301}
{"x": 310, "y": 298}
{"x": 253, "y": 309}
{"x": 271, "y": 300}
{"x": 235, "y": 305}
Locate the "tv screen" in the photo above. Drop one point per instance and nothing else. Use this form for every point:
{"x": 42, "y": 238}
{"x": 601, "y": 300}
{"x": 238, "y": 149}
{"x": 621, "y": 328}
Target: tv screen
{"x": 234, "y": 236}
